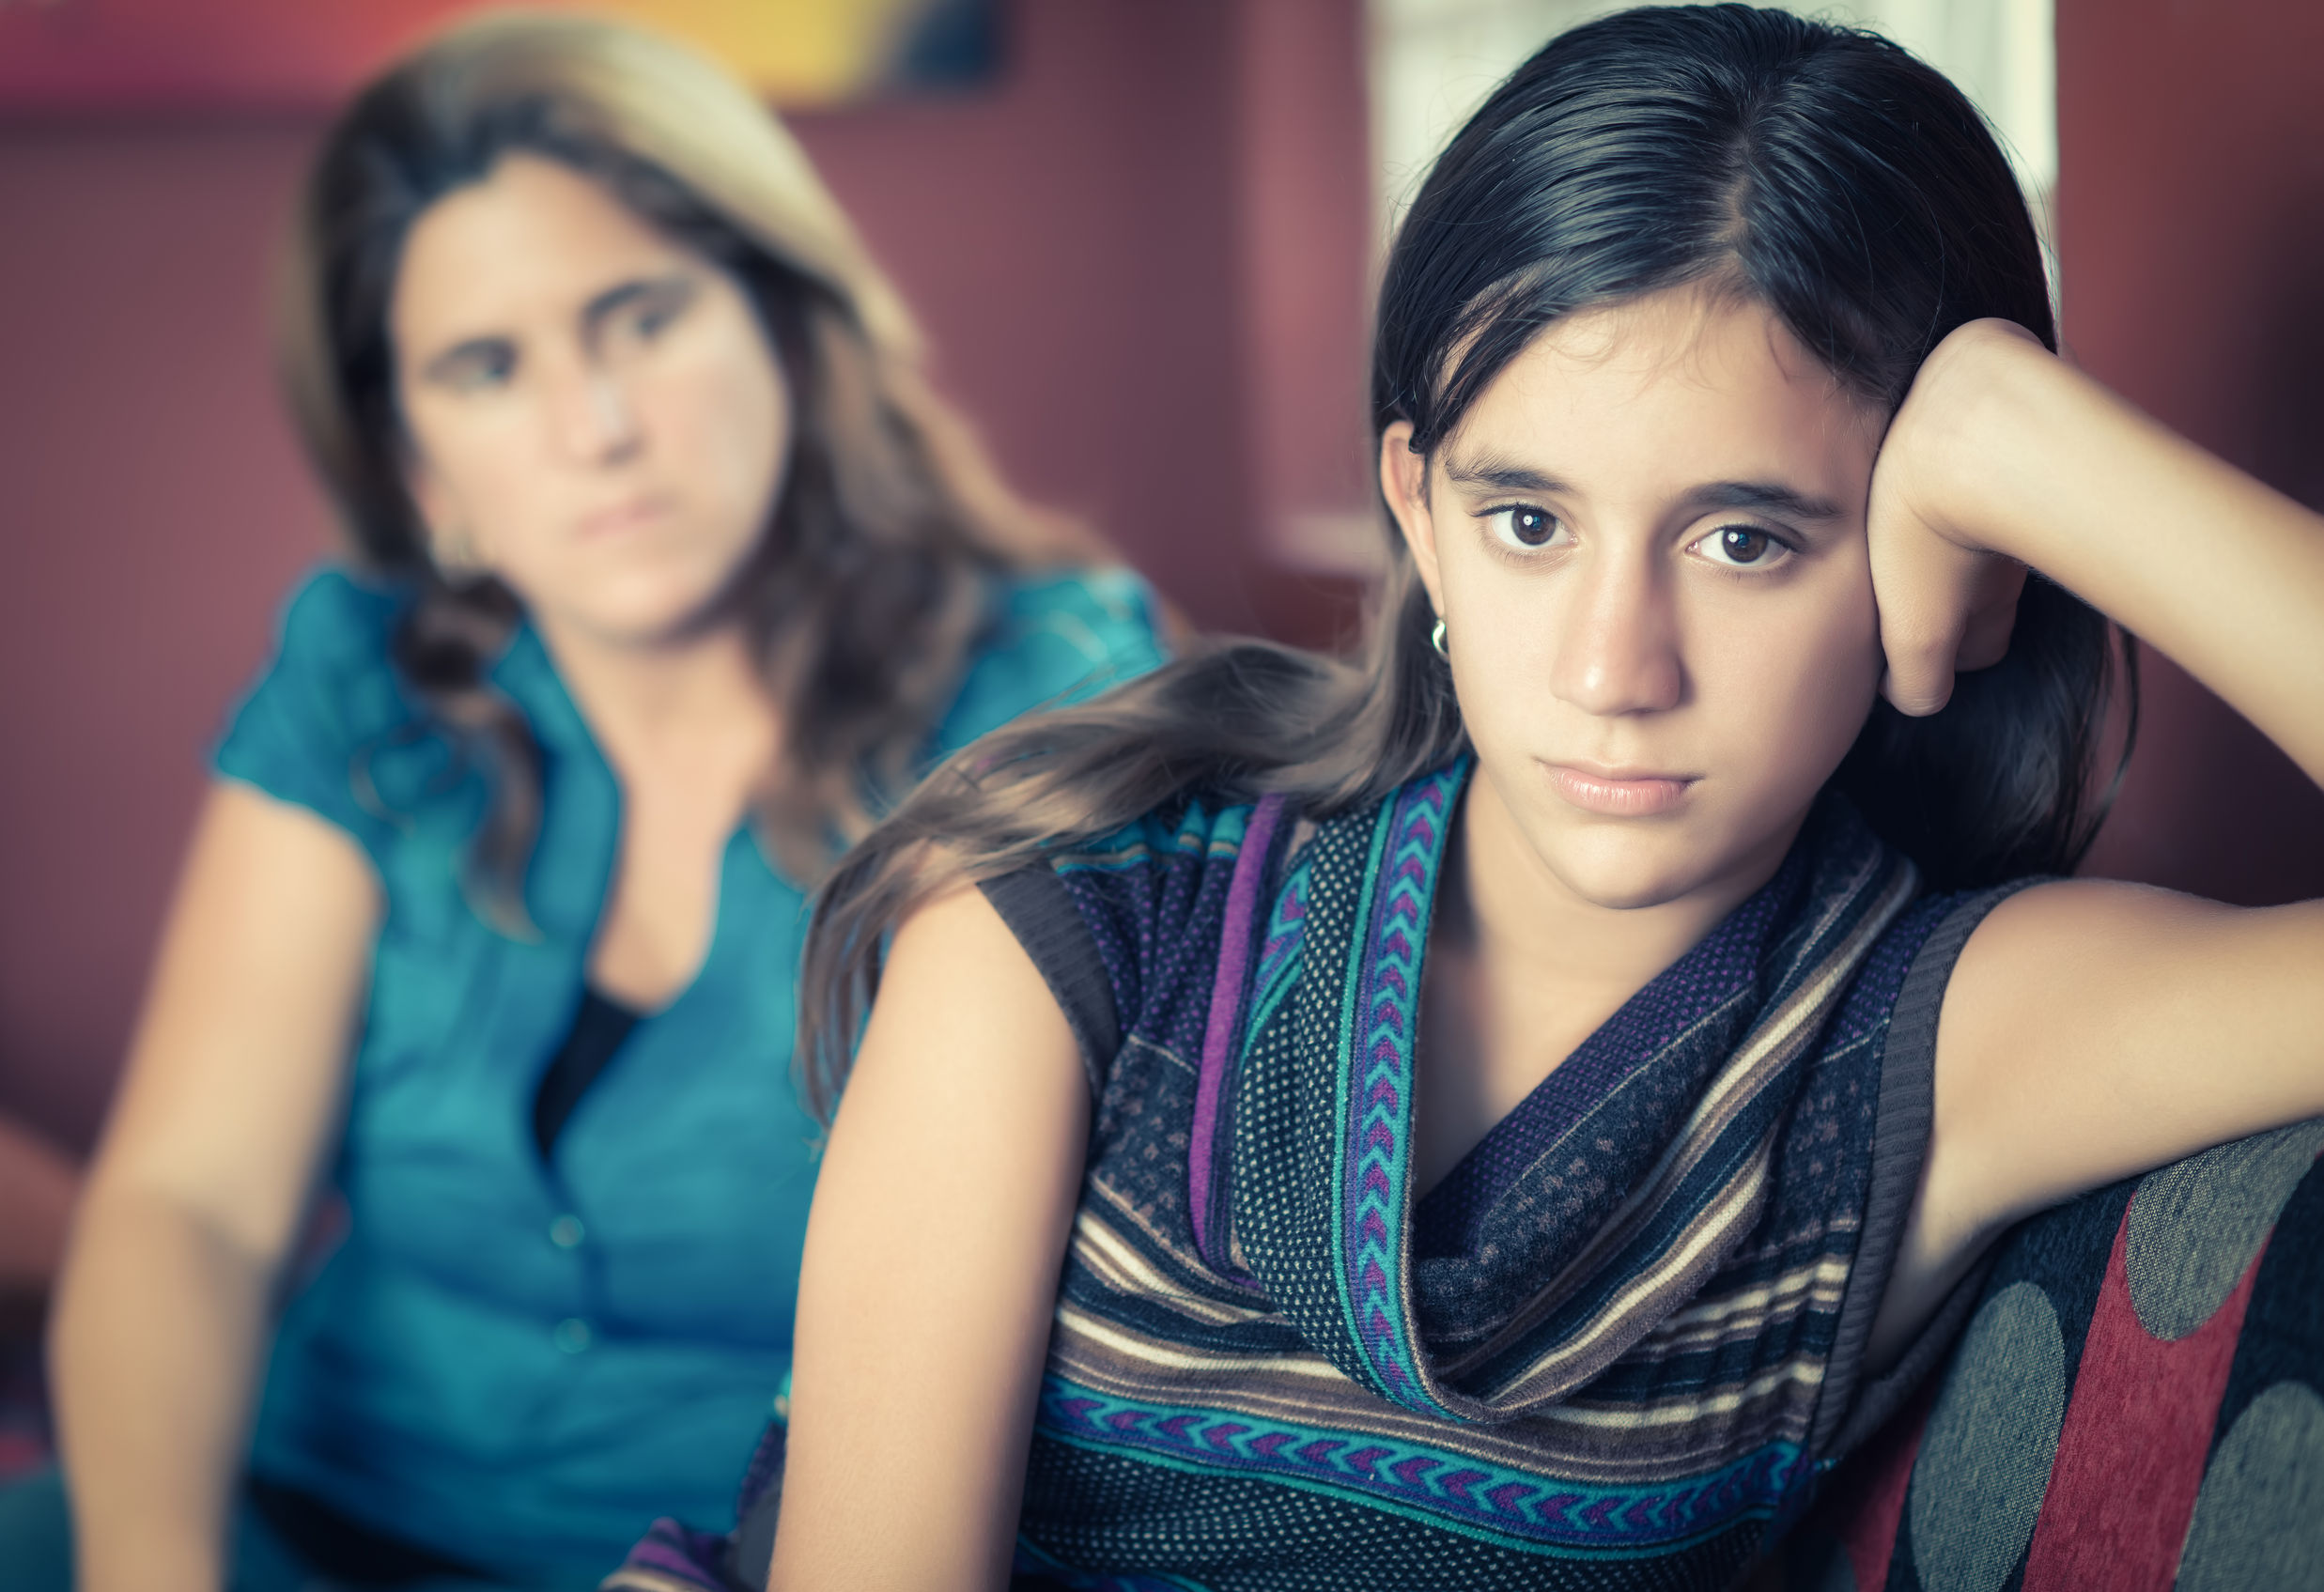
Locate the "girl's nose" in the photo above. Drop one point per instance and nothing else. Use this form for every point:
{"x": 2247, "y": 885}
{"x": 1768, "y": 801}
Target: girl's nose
{"x": 1619, "y": 651}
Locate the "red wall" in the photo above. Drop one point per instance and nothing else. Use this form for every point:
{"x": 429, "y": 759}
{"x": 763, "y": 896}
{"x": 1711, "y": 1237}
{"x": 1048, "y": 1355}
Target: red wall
{"x": 1077, "y": 238}
{"x": 1141, "y": 257}
{"x": 152, "y": 510}
{"x": 2190, "y": 230}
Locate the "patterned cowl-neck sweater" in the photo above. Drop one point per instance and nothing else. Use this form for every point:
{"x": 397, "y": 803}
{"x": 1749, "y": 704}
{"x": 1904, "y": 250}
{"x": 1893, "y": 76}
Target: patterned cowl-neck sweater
{"x": 1612, "y": 1348}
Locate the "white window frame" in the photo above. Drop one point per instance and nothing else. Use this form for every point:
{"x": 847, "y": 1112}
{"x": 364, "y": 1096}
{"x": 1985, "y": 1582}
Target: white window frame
{"x": 1432, "y": 62}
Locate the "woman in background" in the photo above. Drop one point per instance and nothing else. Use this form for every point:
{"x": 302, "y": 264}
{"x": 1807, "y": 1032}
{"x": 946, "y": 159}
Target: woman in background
{"x": 671, "y": 573}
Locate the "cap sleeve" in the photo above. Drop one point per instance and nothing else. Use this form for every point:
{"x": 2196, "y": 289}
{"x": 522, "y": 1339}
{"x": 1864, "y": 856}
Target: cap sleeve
{"x": 1057, "y": 639}
{"x": 1853, "y": 1407}
{"x": 329, "y": 699}
{"x": 1048, "y": 922}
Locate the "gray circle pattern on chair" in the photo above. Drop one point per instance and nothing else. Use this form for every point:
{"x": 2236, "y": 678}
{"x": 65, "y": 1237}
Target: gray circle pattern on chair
{"x": 2259, "y": 1520}
{"x": 1984, "y": 1461}
{"x": 2196, "y": 1225}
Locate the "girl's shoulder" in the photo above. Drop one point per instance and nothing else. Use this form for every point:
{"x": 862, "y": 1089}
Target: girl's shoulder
{"x": 1917, "y": 930}
{"x": 1052, "y": 638}
{"x": 1127, "y": 927}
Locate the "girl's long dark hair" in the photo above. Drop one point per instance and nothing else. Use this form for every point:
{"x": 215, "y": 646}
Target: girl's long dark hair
{"x": 1822, "y": 172}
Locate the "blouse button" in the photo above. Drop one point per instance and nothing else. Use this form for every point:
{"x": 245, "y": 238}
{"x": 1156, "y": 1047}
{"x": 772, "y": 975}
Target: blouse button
{"x": 565, "y": 1232}
{"x": 572, "y": 1334}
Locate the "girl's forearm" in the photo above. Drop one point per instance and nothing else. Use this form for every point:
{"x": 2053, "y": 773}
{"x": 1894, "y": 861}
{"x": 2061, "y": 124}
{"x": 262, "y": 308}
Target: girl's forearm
{"x": 2222, "y": 574}
{"x": 154, "y": 1350}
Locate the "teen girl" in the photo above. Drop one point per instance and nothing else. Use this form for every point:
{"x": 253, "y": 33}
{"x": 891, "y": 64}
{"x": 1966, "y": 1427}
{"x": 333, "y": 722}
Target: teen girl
{"x": 1509, "y": 1112}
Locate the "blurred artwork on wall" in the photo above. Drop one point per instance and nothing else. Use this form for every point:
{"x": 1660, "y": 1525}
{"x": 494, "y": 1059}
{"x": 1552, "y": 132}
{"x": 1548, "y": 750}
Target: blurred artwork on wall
{"x": 79, "y": 56}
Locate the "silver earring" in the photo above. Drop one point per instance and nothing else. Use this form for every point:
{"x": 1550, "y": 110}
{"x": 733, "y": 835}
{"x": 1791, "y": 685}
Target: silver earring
{"x": 1436, "y": 640}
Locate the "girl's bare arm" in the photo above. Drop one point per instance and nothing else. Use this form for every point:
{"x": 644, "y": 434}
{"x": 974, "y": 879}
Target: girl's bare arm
{"x": 2094, "y": 1029}
{"x": 2003, "y": 452}
{"x": 201, "y": 1185}
{"x": 930, "y": 1278}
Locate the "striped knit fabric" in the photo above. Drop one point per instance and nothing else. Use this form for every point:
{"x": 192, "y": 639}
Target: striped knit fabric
{"x": 1604, "y": 1352}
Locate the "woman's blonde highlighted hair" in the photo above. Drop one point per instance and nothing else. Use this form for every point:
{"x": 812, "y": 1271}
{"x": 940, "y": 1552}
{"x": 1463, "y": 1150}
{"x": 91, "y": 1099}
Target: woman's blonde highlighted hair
{"x": 872, "y": 582}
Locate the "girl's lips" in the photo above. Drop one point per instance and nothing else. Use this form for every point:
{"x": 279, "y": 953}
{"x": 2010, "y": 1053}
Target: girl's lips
{"x": 1630, "y": 795}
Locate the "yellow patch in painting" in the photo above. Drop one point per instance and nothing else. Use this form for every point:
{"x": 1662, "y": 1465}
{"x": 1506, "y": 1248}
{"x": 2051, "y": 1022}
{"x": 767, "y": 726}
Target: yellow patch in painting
{"x": 798, "y": 52}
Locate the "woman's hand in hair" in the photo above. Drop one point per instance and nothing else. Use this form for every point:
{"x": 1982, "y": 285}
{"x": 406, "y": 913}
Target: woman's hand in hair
{"x": 1948, "y": 591}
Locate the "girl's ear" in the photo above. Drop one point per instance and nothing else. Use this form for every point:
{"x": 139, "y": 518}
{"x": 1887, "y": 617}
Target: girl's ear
{"x": 1404, "y": 482}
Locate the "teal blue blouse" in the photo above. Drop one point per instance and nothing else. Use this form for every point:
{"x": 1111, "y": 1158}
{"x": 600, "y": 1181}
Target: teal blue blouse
{"x": 521, "y": 1363}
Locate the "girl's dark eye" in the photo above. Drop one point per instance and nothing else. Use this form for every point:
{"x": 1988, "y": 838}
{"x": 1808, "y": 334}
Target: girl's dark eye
{"x": 1532, "y": 527}
{"x": 1743, "y": 547}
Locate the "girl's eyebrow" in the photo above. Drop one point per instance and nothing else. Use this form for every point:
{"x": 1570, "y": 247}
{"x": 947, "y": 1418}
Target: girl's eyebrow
{"x": 1495, "y": 474}
{"x": 1500, "y": 475}
{"x": 1769, "y": 497}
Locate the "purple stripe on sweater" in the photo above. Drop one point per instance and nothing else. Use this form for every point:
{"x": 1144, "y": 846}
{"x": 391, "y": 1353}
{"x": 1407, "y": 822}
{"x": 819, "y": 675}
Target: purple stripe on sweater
{"x": 1234, "y": 954}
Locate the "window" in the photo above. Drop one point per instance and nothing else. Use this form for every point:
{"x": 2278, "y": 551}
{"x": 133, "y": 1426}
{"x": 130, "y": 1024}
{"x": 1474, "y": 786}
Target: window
{"x": 1434, "y": 62}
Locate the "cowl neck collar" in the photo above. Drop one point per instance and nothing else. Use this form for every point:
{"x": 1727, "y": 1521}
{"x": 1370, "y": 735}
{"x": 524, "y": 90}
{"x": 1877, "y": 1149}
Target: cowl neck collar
{"x": 1596, "y": 1208}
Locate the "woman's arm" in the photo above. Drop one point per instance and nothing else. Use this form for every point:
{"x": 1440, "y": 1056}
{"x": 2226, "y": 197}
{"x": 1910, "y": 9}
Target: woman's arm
{"x": 2093, "y": 1029}
{"x": 930, "y": 1277}
{"x": 201, "y": 1185}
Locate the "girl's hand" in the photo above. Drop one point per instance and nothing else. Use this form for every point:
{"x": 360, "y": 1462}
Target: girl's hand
{"x": 1947, "y": 598}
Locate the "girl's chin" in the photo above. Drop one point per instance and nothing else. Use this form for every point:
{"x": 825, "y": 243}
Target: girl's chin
{"x": 1633, "y": 866}
{"x": 1627, "y": 878}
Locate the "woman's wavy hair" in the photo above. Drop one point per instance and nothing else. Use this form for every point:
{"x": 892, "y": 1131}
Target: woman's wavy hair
{"x": 869, "y": 587}
{"x": 1822, "y": 172}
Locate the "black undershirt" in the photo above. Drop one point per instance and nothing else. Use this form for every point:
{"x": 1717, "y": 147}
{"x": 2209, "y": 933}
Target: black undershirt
{"x": 599, "y": 1028}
